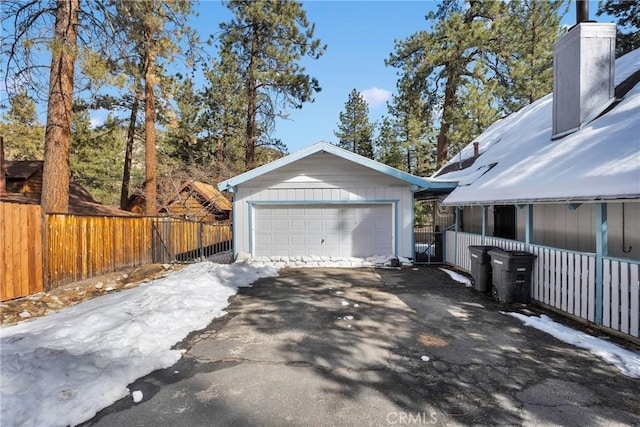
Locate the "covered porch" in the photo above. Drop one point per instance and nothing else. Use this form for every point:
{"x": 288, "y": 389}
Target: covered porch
{"x": 591, "y": 286}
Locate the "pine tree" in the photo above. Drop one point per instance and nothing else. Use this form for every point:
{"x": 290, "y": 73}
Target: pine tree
{"x": 223, "y": 118}
{"x": 388, "y": 149}
{"x": 628, "y": 14}
{"x": 27, "y": 28}
{"x": 95, "y": 157}
{"x": 525, "y": 53}
{"x": 355, "y": 133}
{"x": 437, "y": 63}
{"x": 267, "y": 40}
{"x": 55, "y": 175}
{"x": 412, "y": 118}
{"x": 153, "y": 33}
{"x": 184, "y": 127}
{"x": 23, "y": 135}
{"x": 478, "y": 61}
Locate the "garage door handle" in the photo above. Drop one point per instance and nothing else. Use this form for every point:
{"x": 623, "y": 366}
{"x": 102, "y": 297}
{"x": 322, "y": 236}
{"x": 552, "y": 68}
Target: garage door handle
{"x": 322, "y": 242}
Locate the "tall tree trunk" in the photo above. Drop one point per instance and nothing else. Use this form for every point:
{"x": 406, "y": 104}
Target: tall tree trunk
{"x": 128, "y": 152}
{"x": 149, "y": 130}
{"x": 252, "y": 94}
{"x": 55, "y": 179}
{"x": 443, "y": 135}
{"x": 250, "y": 146}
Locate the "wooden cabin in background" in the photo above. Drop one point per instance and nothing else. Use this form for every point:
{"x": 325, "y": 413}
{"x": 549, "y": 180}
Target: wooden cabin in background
{"x": 197, "y": 201}
{"x": 23, "y": 184}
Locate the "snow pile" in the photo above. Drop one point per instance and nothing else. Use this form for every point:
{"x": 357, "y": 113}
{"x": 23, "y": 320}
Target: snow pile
{"x": 627, "y": 361}
{"x": 458, "y": 277}
{"x": 327, "y": 261}
{"x": 63, "y": 368}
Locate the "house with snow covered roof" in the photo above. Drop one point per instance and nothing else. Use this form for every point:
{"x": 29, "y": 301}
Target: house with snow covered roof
{"x": 561, "y": 179}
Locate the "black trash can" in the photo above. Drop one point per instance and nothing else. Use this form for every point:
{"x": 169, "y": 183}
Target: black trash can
{"x": 481, "y": 267}
{"x": 511, "y": 276}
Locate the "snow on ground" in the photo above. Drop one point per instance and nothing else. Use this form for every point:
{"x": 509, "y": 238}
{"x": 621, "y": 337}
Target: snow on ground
{"x": 627, "y": 361}
{"x": 458, "y": 277}
{"x": 63, "y": 368}
{"x": 327, "y": 261}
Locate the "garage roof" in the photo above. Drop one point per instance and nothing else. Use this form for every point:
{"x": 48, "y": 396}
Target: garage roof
{"x": 418, "y": 183}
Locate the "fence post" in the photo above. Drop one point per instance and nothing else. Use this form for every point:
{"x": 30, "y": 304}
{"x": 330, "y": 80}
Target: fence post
{"x": 43, "y": 236}
{"x": 455, "y": 242}
{"x": 201, "y": 237}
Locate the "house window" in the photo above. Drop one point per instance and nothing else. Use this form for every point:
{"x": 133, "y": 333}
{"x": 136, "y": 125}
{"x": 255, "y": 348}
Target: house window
{"x": 504, "y": 221}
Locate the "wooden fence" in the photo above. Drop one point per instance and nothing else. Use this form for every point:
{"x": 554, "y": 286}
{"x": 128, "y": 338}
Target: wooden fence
{"x": 40, "y": 252}
{"x": 20, "y": 250}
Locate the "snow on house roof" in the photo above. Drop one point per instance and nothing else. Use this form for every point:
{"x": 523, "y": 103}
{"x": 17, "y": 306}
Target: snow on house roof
{"x": 519, "y": 162}
{"x": 323, "y": 146}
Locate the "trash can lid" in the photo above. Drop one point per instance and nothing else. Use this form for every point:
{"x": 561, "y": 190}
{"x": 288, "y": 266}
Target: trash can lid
{"x": 520, "y": 253}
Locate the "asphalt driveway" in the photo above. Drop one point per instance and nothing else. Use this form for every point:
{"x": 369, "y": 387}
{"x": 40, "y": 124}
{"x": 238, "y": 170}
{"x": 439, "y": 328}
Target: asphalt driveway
{"x": 321, "y": 347}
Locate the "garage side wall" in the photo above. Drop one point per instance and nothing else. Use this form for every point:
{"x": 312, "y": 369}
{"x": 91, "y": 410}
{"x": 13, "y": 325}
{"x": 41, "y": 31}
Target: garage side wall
{"x": 323, "y": 180}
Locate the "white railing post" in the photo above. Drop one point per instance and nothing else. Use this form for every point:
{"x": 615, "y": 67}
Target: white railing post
{"x": 457, "y": 229}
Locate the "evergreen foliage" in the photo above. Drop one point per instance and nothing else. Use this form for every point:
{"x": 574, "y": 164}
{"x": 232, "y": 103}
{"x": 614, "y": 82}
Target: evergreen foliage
{"x": 266, "y": 40}
{"x": 96, "y": 157}
{"x": 355, "y": 133}
{"x": 477, "y": 61}
{"x": 388, "y": 148}
{"x": 23, "y": 135}
{"x": 628, "y": 14}
{"x": 474, "y": 62}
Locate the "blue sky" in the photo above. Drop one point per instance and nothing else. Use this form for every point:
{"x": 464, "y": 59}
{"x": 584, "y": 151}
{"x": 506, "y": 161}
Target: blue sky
{"x": 360, "y": 35}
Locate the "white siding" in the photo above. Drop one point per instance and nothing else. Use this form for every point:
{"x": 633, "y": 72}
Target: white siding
{"x": 558, "y": 226}
{"x": 320, "y": 178}
{"x": 631, "y": 231}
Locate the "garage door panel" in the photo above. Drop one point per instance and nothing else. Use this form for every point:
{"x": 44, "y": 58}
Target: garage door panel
{"x": 280, "y": 239}
{"x": 266, "y": 225}
{"x": 335, "y": 230}
{"x": 298, "y": 225}
{"x": 315, "y": 224}
{"x": 280, "y": 225}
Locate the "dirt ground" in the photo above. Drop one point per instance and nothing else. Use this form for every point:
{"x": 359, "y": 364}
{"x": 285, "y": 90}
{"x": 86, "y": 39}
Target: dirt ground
{"x": 43, "y": 303}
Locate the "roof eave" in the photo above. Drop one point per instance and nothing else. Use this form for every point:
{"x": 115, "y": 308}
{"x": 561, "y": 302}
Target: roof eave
{"x": 544, "y": 200}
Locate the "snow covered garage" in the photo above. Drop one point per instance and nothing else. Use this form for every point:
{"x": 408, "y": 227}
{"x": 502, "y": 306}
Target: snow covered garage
{"x": 323, "y": 201}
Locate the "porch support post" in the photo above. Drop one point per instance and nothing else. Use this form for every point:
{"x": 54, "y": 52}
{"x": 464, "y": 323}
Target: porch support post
{"x": 455, "y": 243}
{"x": 528, "y": 230}
{"x": 485, "y": 227}
{"x": 601, "y": 251}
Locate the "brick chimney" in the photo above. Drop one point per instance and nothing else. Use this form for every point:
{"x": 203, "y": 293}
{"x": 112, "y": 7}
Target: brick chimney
{"x": 583, "y": 73}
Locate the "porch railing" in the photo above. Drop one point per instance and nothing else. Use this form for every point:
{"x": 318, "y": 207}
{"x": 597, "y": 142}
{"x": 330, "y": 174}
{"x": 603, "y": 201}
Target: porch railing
{"x": 567, "y": 280}
{"x": 621, "y": 295}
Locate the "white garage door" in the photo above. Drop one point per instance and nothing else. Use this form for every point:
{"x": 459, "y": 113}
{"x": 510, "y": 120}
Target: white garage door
{"x": 330, "y": 230}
